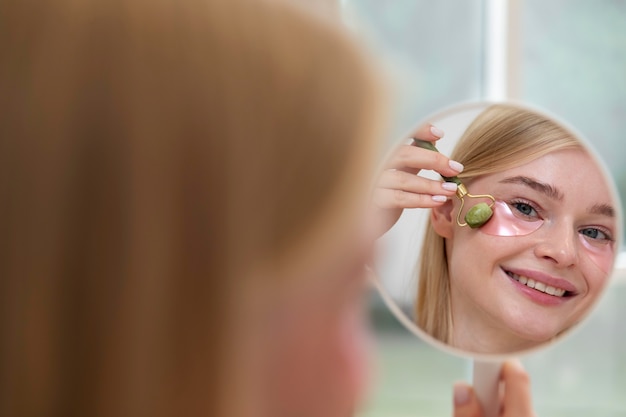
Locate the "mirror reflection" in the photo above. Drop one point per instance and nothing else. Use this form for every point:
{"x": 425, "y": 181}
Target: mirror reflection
{"x": 520, "y": 234}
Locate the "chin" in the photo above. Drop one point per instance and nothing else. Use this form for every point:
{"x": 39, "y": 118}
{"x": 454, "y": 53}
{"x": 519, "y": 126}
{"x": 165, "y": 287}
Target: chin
{"x": 536, "y": 331}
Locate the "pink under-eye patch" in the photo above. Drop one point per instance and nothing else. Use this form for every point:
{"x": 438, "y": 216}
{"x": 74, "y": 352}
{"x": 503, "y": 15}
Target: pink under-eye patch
{"x": 504, "y": 222}
{"x": 602, "y": 255}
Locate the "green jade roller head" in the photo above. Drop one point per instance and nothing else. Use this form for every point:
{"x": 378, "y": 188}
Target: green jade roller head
{"x": 477, "y": 215}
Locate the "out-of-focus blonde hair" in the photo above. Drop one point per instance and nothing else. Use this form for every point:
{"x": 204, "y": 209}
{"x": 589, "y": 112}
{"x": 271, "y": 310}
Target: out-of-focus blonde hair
{"x": 152, "y": 152}
{"x": 502, "y": 137}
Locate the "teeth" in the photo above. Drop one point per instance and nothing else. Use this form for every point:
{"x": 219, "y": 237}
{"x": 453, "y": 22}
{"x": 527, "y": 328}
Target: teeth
{"x": 539, "y": 286}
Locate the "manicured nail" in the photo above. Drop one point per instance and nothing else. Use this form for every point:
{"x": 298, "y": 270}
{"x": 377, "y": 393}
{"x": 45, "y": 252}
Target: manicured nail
{"x": 440, "y": 198}
{"x": 437, "y": 132}
{"x": 457, "y": 166}
{"x": 461, "y": 394}
{"x": 450, "y": 186}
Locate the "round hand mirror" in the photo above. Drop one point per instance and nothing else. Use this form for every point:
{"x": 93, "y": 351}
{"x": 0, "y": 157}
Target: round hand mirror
{"x": 502, "y": 255}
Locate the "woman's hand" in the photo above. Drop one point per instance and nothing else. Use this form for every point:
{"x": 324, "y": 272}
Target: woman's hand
{"x": 400, "y": 187}
{"x": 515, "y": 402}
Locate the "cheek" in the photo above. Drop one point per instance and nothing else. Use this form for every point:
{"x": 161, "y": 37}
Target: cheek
{"x": 475, "y": 259}
{"x": 320, "y": 361}
{"x": 472, "y": 257}
{"x": 355, "y": 346}
{"x": 595, "y": 279}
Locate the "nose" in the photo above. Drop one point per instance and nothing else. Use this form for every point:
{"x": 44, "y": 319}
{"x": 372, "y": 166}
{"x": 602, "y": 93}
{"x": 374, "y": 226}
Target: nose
{"x": 558, "y": 245}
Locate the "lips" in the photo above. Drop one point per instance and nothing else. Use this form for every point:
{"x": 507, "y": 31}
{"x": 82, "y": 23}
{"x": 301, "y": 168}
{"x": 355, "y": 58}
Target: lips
{"x": 540, "y": 282}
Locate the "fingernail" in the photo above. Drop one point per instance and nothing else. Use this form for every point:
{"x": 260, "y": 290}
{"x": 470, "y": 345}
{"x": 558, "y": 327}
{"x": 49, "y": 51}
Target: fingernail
{"x": 440, "y": 198}
{"x": 517, "y": 364}
{"x": 461, "y": 394}
{"x": 457, "y": 166}
{"x": 437, "y": 132}
{"x": 450, "y": 186}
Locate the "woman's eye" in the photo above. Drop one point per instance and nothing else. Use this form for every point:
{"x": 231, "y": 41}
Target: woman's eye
{"x": 525, "y": 209}
{"x": 594, "y": 233}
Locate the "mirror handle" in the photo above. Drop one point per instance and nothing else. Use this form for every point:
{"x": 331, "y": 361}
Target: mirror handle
{"x": 486, "y": 380}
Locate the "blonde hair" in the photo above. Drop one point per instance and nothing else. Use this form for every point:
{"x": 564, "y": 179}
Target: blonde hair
{"x": 502, "y": 137}
{"x": 152, "y": 153}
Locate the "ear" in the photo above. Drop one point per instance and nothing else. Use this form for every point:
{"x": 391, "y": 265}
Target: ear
{"x": 441, "y": 219}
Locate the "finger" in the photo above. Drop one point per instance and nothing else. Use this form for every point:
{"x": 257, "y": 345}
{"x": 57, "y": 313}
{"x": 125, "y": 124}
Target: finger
{"x": 386, "y": 198}
{"x": 465, "y": 402}
{"x": 409, "y": 157}
{"x": 401, "y": 180}
{"x": 517, "y": 393}
{"x": 428, "y": 132}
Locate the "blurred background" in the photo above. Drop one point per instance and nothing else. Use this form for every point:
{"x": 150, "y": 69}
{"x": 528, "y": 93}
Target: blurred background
{"x": 567, "y": 57}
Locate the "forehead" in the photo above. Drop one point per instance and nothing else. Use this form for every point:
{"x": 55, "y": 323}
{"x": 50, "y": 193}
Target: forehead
{"x": 574, "y": 173}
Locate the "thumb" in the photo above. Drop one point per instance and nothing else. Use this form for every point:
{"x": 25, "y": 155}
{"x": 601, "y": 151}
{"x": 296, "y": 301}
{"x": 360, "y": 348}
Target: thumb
{"x": 465, "y": 402}
{"x": 517, "y": 392}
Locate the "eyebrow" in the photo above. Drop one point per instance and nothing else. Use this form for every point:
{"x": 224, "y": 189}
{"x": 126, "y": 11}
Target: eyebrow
{"x": 547, "y": 189}
{"x": 554, "y": 193}
{"x": 602, "y": 209}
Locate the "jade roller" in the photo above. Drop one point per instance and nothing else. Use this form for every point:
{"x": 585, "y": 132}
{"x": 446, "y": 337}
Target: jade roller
{"x": 477, "y": 215}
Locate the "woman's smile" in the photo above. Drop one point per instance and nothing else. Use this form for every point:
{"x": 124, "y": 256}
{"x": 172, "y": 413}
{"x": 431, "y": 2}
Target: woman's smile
{"x": 540, "y": 287}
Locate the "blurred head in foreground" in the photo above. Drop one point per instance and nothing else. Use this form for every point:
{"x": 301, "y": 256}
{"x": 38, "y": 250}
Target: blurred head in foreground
{"x": 180, "y": 194}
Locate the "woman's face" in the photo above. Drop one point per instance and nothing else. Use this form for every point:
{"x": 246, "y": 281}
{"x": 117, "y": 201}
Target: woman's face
{"x": 493, "y": 305}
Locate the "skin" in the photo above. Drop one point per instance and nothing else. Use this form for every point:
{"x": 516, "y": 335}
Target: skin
{"x": 490, "y": 313}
